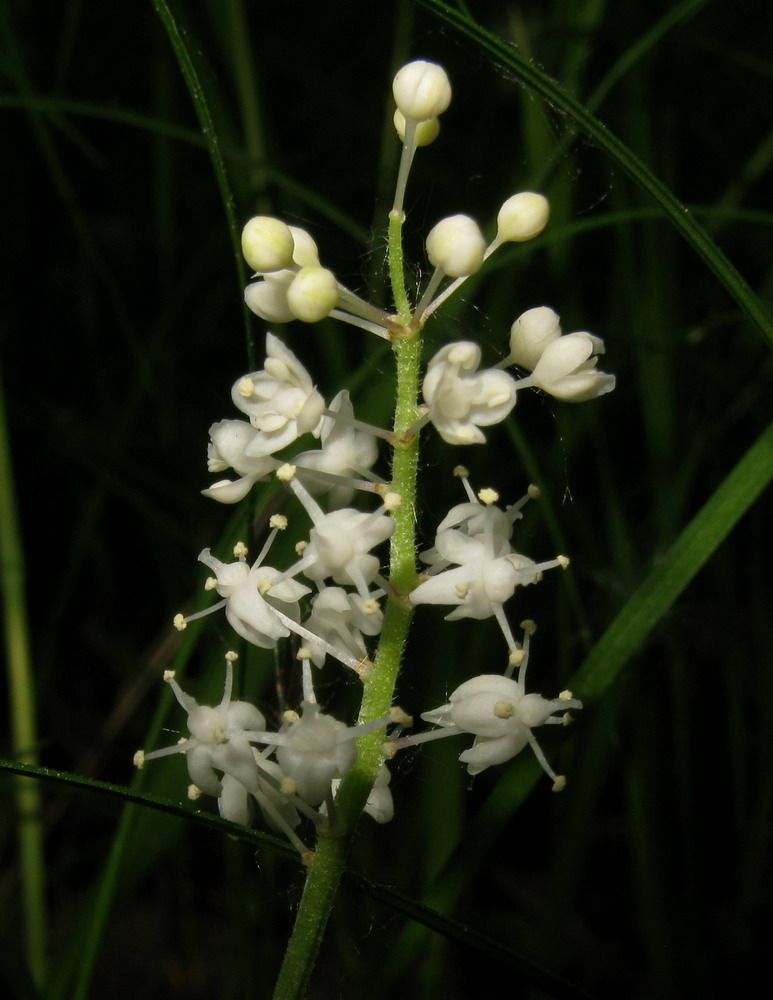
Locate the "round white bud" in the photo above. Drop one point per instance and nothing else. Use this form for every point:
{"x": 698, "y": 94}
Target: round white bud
{"x": 312, "y": 294}
{"x": 267, "y": 244}
{"x": 456, "y": 245}
{"x": 426, "y": 131}
{"x": 522, "y": 217}
{"x": 531, "y": 333}
{"x": 421, "y": 90}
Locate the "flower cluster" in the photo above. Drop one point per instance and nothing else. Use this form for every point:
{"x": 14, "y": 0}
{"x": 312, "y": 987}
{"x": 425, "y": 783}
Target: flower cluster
{"x": 313, "y": 751}
{"x": 336, "y": 594}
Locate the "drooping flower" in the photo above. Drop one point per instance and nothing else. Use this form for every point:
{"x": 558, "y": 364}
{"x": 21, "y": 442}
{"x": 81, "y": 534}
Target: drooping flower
{"x": 229, "y": 440}
{"x": 566, "y": 369}
{"x": 461, "y": 399}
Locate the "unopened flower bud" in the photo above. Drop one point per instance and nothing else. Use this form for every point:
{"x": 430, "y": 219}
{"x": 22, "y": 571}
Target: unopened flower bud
{"x": 421, "y": 90}
{"x": 426, "y": 131}
{"x": 267, "y": 244}
{"x": 312, "y": 294}
{"x": 456, "y": 245}
{"x": 522, "y": 217}
{"x": 531, "y": 333}
{"x": 267, "y": 298}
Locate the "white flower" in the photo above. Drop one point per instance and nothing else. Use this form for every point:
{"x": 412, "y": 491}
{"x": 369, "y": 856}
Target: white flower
{"x": 344, "y": 452}
{"x": 481, "y": 583}
{"x": 380, "y": 804}
{"x": 340, "y": 542}
{"x": 530, "y": 334}
{"x": 501, "y": 715}
{"x": 483, "y": 522}
{"x": 421, "y": 90}
{"x": 316, "y": 748}
{"x": 567, "y": 369}
{"x": 278, "y": 811}
{"x": 280, "y": 401}
{"x": 339, "y": 547}
{"x": 249, "y": 608}
{"x": 340, "y": 618}
{"x": 217, "y": 741}
{"x": 229, "y": 440}
{"x": 460, "y": 398}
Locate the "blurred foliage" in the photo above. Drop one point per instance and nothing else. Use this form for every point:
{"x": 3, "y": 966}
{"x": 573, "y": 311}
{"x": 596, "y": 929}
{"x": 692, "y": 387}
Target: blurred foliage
{"x": 122, "y": 333}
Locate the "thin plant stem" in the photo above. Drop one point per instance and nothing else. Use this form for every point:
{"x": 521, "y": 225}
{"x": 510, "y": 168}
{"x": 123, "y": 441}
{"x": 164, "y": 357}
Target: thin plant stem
{"x": 328, "y": 863}
{"x": 21, "y": 690}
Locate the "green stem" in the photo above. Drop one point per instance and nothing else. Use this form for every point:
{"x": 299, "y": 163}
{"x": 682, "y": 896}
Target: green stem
{"x": 329, "y": 860}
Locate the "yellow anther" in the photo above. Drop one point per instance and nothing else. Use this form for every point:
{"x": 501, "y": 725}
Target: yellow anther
{"x": 278, "y": 521}
{"x": 516, "y": 657}
{"x": 285, "y": 472}
{"x": 488, "y": 496}
{"x": 194, "y": 792}
{"x": 392, "y": 501}
{"x": 503, "y": 709}
{"x": 180, "y": 623}
{"x": 139, "y": 759}
{"x": 396, "y": 714}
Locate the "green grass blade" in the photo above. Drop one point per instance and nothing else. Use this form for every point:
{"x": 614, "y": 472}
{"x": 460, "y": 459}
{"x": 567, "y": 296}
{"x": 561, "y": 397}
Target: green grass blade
{"x": 694, "y": 546}
{"x": 184, "y": 54}
{"x": 21, "y": 694}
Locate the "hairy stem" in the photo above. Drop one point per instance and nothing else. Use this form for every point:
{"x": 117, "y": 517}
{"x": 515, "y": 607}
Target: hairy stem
{"x": 329, "y": 860}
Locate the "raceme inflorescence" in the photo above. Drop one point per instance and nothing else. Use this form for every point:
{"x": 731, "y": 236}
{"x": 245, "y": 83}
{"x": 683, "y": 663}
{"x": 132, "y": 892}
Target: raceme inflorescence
{"x": 353, "y": 586}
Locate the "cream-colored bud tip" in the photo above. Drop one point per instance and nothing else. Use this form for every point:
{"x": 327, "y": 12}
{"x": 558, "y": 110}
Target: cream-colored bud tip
{"x": 421, "y": 90}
